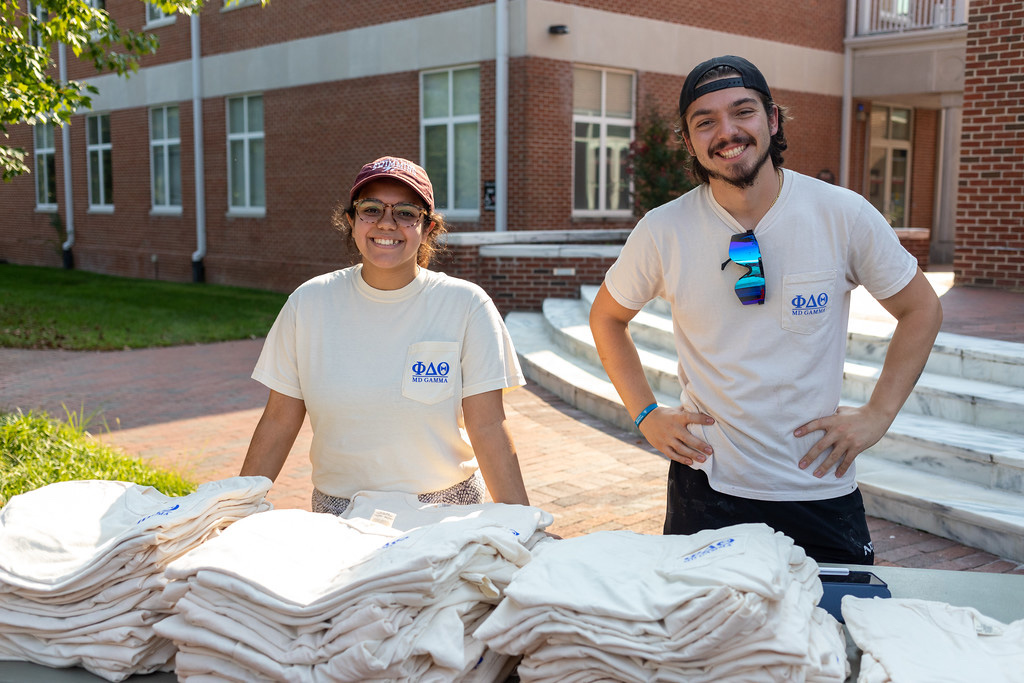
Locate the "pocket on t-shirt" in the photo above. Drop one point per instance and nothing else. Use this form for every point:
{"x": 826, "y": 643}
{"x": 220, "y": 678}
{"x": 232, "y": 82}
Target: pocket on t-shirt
{"x": 808, "y": 300}
{"x": 431, "y": 371}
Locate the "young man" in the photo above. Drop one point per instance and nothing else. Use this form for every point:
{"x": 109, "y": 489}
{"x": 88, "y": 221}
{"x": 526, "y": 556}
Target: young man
{"x": 758, "y": 264}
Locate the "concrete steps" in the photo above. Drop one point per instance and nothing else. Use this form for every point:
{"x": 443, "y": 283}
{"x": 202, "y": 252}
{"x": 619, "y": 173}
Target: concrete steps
{"x": 952, "y": 463}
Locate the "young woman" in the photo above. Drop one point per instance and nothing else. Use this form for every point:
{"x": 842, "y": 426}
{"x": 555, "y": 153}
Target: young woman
{"x": 400, "y": 368}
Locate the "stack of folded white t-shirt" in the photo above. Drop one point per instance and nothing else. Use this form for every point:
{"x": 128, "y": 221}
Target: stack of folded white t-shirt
{"x": 291, "y": 595}
{"x": 734, "y": 604}
{"x": 82, "y": 562}
{"x": 904, "y": 639}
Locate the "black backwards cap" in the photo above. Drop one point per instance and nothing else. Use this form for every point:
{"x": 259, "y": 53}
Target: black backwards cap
{"x": 749, "y": 77}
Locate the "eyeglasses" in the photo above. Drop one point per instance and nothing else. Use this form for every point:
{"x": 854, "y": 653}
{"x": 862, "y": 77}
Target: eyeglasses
{"x": 404, "y": 214}
{"x": 744, "y": 251}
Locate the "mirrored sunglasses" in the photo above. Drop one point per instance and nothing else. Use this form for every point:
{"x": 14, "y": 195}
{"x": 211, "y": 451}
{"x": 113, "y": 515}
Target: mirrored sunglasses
{"x": 404, "y": 214}
{"x": 744, "y": 251}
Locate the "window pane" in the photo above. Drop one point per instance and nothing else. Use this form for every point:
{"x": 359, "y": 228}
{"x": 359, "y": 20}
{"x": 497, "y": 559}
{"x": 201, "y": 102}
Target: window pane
{"x": 435, "y": 95}
{"x": 159, "y": 177}
{"x": 48, "y": 135}
{"x": 586, "y": 91}
{"x": 257, "y": 194}
{"x": 94, "y": 178}
{"x": 436, "y": 164}
{"x": 41, "y": 179}
{"x": 467, "y": 165}
{"x": 105, "y": 129}
{"x": 174, "y": 171}
{"x": 466, "y": 84}
{"x": 898, "y": 192}
{"x": 108, "y": 178}
{"x": 51, "y": 179}
{"x": 156, "y": 124}
{"x": 91, "y": 130}
{"x": 237, "y": 172}
{"x": 900, "y": 126}
{"x": 876, "y": 181}
{"x": 879, "y": 122}
{"x": 173, "y": 124}
{"x": 617, "y": 151}
{"x": 255, "y": 114}
{"x": 39, "y": 135}
{"x": 584, "y": 183}
{"x": 619, "y": 95}
{"x": 236, "y": 116}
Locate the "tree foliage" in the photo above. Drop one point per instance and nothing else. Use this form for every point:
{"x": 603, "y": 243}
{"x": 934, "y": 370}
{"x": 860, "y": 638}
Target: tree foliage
{"x": 30, "y": 88}
{"x": 658, "y": 161}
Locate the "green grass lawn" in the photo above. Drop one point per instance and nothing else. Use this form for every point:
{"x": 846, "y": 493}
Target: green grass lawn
{"x": 36, "y": 450}
{"x": 51, "y": 308}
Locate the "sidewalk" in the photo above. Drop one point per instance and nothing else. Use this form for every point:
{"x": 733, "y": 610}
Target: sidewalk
{"x": 194, "y": 408}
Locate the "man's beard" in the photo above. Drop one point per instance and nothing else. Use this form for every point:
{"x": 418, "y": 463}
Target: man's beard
{"x": 747, "y": 179}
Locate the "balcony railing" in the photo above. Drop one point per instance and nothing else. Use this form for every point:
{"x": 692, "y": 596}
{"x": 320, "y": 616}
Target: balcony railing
{"x": 896, "y": 16}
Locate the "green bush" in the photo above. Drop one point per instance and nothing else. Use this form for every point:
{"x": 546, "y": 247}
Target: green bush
{"x": 657, "y": 161}
{"x": 36, "y": 450}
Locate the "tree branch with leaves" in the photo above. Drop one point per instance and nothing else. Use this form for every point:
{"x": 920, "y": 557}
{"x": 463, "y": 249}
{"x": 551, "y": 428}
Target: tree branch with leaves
{"x": 30, "y": 89}
{"x": 657, "y": 161}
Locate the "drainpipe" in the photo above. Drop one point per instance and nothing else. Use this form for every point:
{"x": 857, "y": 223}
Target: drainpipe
{"x": 198, "y": 270}
{"x": 65, "y": 143}
{"x": 846, "y": 132}
{"x": 501, "y": 115}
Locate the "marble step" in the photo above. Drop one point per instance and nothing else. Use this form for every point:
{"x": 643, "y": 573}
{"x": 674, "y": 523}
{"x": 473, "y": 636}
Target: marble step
{"x": 965, "y": 401}
{"x": 574, "y": 380}
{"x": 955, "y": 355}
{"x": 972, "y": 402}
{"x": 983, "y": 457}
{"x": 976, "y": 516}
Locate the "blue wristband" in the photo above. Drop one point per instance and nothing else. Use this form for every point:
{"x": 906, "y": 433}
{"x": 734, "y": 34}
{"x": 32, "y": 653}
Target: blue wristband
{"x": 643, "y": 414}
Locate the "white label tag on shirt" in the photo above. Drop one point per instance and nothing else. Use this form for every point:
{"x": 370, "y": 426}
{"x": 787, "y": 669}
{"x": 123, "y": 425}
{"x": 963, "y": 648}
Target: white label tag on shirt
{"x": 383, "y": 517}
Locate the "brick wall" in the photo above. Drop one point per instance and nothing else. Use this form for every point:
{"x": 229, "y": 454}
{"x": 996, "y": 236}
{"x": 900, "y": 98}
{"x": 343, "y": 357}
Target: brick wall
{"x": 521, "y": 283}
{"x": 990, "y": 210}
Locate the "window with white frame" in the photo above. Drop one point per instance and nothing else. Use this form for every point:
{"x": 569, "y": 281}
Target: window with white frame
{"x": 40, "y": 15}
{"x": 45, "y": 167}
{"x": 165, "y": 158}
{"x": 889, "y": 162}
{"x": 246, "y": 183}
{"x": 603, "y": 119}
{"x": 98, "y": 148}
{"x": 156, "y": 15}
{"x": 450, "y": 138}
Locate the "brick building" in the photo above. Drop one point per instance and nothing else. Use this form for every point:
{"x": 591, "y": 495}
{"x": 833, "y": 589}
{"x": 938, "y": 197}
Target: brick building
{"x": 225, "y": 156}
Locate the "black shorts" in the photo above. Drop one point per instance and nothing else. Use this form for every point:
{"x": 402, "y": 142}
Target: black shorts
{"x": 833, "y": 530}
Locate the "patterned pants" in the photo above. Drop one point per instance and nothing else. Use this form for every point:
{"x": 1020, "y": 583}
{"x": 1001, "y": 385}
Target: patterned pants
{"x": 468, "y": 492}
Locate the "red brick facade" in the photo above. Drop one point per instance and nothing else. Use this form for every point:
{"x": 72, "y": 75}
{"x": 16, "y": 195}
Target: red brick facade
{"x": 990, "y": 213}
{"x": 317, "y": 136}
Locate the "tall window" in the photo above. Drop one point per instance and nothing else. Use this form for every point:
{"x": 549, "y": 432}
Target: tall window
{"x": 97, "y": 145}
{"x": 889, "y": 164}
{"x": 246, "y": 183}
{"x": 603, "y": 121}
{"x": 46, "y": 167}
{"x": 40, "y": 14}
{"x": 450, "y": 137}
{"x": 165, "y": 158}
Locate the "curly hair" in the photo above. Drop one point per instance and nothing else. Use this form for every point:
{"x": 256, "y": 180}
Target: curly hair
{"x": 777, "y": 144}
{"x": 345, "y": 216}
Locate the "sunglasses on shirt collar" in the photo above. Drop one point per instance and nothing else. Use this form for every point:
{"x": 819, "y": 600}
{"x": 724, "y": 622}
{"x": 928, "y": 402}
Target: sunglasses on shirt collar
{"x": 744, "y": 251}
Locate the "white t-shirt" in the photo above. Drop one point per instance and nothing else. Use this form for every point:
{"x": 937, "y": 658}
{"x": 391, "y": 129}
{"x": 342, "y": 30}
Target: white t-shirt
{"x": 383, "y": 375}
{"x": 763, "y": 370}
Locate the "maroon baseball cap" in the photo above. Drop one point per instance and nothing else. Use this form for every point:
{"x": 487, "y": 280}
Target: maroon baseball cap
{"x": 402, "y": 170}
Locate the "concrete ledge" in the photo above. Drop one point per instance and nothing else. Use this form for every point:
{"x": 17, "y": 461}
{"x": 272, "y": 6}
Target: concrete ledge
{"x": 563, "y": 237}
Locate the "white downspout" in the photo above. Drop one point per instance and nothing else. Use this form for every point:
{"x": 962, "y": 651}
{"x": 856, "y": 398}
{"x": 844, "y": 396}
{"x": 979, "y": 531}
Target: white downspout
{"x": 65, "y": 143}
{"x": 501, "y": 27}
{"x": 198, "y": 274}
{"x": 846, "y": 125}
